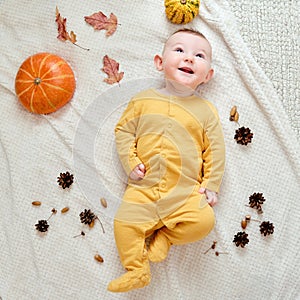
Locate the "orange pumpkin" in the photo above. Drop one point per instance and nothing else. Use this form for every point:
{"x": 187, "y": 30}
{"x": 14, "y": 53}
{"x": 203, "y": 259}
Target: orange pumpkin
{"x": 44, "y": 83}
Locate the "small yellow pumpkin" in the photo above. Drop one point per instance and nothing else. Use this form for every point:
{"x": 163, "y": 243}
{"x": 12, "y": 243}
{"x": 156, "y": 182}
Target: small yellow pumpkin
{"x": 182, "y": 11}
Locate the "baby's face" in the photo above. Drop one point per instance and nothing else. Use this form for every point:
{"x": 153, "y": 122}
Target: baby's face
{"x": 187, "y": 59}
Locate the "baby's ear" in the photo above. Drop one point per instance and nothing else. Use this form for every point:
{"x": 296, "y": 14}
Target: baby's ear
{"x": 209, "y": 75}
{"x": 158, "y": 62}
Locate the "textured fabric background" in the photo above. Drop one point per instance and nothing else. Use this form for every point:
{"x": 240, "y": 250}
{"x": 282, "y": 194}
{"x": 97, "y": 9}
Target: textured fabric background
{"x": 79, "y": 138}
{"x": 271, "y": 31}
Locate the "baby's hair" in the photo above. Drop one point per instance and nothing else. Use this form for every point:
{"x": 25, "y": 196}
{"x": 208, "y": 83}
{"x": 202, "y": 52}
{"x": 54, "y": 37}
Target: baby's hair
{"x": 191, "y": 31}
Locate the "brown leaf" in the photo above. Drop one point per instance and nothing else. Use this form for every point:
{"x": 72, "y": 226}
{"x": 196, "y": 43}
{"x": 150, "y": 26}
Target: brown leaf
{"x": 72, "y": 37}
{"x": 111, "y": 68}
{"x": 63, "y": 34}
{"x": 100, "y": 21}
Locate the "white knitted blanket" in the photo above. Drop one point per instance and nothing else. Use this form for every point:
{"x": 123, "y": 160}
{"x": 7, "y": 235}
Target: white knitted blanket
{"x": 271, "y": 31}
{"x": 79, "y": 138}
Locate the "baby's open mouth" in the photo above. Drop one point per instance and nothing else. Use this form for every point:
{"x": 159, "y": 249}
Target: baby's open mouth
{"x": 186, "y": 70}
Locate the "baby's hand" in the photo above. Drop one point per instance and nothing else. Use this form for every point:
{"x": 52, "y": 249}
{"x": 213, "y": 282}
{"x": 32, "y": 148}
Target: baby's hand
{"x": 138, "y": 172}
{"x": 211, "y": 197}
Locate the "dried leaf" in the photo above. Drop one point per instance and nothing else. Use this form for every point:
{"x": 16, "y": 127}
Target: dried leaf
{"x": 63, "y": 34}
{"x": 72, "y": 37}
{"x": 111, "y": 68}
{"x": 100, "y": 21}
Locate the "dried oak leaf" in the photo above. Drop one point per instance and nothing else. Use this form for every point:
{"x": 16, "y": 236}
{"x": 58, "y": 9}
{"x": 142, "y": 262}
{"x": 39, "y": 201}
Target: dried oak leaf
{"x": 111, "y": 68}
{"x": 100, "y": 21}
{"x": 63, "y": 34}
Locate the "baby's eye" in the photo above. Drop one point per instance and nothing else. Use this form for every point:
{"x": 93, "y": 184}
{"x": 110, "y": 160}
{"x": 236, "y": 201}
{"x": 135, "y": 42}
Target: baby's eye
{"x": 178, "y": 50}
{"x": 200, "y": 55}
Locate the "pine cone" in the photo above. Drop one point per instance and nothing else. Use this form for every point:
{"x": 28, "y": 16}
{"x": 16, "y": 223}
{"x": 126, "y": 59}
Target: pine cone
{"x": 65, "y": 180}
{"x": 266, "y": 228}
{"x": 87, "y": 217}
{"x": 241, "y": 239}
{"x": 42, "y": 226}
{"x": 243, "y": 136}
{"x": 256, "y": 200}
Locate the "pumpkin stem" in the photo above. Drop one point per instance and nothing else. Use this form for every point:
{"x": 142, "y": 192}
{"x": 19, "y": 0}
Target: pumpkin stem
{"x": 183, "y": 1}
{"x": 37, "y": 81}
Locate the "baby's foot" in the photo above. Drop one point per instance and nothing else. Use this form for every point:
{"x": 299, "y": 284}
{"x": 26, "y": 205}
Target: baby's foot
{"x": 158, "y": 248}
{"x": 131, "y": 280}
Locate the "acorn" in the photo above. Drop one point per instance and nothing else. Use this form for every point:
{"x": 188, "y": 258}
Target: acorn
{"x": 233, "y": 110}
{"x": 64, "y": 210}
{"x": 248, "y": 218}
{"x": 103, "y": 202}
{"x": 236, "y": 117}
{"x": 99, "y": 258}
{"x": 244, "y": 223}
{"x": 91, "y": 225}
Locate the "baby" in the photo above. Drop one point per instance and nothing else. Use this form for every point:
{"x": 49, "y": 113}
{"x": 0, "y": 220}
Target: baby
{"x": 171, "y": 145}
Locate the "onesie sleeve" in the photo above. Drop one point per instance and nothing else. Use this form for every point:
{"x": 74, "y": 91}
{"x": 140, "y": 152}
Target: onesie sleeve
{"x": 213, "y": 154}
{"x": 125, "y": 134}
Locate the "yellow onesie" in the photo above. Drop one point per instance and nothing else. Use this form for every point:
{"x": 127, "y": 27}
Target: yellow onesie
{"x": 180, "y": 142}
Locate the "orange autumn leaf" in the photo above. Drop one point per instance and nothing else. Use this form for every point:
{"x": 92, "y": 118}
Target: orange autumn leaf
{"x": 111, "y": 68}
{"x": 63, "y": 34}
{"x": 100, "y": 21}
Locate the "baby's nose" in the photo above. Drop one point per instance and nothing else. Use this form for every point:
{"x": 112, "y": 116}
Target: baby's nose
{"x": 189, "y": 58}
